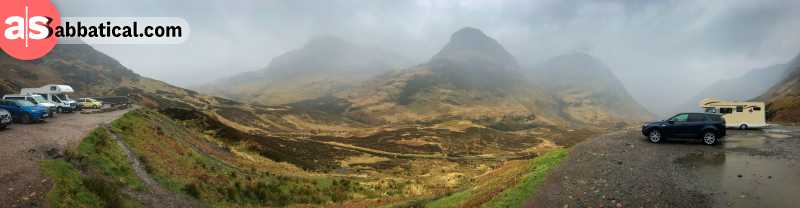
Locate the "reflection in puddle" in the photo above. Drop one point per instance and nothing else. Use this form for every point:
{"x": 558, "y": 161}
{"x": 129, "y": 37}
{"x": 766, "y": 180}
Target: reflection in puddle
{"x": 742, "y": 141}
{"x": 746, "y": 180}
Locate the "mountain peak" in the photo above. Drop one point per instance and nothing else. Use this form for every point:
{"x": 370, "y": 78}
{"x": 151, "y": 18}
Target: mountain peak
{"x": 471, "y": 47}
{"x": 327, "y": 42}
{"x": 469, "y": 33}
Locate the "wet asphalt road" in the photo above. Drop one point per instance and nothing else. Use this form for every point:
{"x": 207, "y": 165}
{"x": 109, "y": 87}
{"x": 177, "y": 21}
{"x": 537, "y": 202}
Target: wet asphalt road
{"x": 752, "y": 168}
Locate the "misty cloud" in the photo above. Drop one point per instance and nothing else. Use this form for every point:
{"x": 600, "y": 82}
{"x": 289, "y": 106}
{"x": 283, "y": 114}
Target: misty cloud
{"x": 663, "y": 51}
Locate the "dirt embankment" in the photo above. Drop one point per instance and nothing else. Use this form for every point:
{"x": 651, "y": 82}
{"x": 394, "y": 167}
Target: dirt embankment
{"x": 22, "y": 146}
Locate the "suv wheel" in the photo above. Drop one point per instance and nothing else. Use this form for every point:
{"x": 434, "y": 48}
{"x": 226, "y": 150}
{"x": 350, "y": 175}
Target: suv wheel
{"x": 709, "y": 138}
{"x": 654, "y": 136}
{"x": 26, "y": 118}
{"x": 743, "y": 127}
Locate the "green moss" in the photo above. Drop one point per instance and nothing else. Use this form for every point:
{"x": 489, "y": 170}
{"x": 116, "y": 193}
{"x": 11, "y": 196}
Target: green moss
{"x": 540, "y": 167}
{"x": 165, "y": 149}
{"x": 68, "y": 189}
{"x": 107, "y": 172}
{"x": 100, "y": 151}
{"x": 453, "y": 200}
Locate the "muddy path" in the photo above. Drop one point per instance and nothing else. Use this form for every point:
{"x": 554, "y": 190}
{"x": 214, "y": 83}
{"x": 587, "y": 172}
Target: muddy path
{"x": 22, "y": 146}
{"x": 756, "y": 168}
{"x": 155, "y": 195}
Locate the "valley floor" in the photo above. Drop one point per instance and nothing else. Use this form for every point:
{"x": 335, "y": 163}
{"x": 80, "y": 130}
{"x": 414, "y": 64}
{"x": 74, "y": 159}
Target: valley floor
{"x": 750, "y": 169}
{"x": 22, "y": 146}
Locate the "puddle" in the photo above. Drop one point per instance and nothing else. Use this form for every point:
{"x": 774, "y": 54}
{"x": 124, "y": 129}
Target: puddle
{"x": 777, "y": 136}
{"x": 743, "y": 180}
{"x": 743, "y": 141}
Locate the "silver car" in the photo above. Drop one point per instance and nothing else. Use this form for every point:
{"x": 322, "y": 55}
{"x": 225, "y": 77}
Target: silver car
{"x": 5, "y": 118}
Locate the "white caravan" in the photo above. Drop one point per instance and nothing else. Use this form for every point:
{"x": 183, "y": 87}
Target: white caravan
{"x": 56, "y": 94}
{"x": 737, "y": 114}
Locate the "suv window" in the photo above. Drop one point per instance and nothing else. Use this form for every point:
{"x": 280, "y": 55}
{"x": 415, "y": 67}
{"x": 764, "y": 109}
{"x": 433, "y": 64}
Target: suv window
{"x": 680, "y": 118}
{"x": 694, "y": 117}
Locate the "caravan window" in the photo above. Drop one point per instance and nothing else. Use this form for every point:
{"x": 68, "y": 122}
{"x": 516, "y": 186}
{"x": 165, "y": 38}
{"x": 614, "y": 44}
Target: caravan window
{"x": 726, "y": 110}
{"x": 756, "y": 108}
{"x": 711, "y": 110}
{"x": 739, "y": 108}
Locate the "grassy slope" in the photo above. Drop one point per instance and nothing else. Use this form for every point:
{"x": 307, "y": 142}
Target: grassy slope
{"x": 107, "y": 171}
{"x": 502, "y": 189}
{"x": 161, "y": 145}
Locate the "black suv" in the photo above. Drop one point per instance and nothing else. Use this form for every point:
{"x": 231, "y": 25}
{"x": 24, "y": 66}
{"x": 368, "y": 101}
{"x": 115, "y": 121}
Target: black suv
{"x": 706, "y": 126}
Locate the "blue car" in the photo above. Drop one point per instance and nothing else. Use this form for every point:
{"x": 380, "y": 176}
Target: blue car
{"x": 24, "y": 111}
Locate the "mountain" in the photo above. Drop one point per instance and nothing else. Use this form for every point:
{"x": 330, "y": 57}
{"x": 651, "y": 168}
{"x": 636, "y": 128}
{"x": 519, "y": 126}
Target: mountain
{"x": 587, "y": 90}
{"x": 323, "y": 66}
{"x": 783, "y": 99}
{"x": 470, "y": 48}
{"x": 472, "y": 79}
{"x": 748, "y": 86}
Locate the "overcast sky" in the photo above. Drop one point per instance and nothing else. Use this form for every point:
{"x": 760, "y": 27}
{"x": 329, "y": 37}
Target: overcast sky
{"x": 663, "y": 51}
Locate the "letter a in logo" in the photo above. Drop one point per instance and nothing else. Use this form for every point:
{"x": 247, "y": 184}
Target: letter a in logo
{"x": 26, "y": 28}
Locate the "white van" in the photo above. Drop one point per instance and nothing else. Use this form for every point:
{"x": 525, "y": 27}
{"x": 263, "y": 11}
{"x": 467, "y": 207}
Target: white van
{"x": 38, "y": 100}
{"x": 56, "y": 94}
{"x": 742, "y": 115}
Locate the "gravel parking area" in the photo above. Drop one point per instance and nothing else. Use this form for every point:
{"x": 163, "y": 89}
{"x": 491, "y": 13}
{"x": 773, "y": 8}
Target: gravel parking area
{"x": 22, "y": 146}
{"x": 754, "y": 168}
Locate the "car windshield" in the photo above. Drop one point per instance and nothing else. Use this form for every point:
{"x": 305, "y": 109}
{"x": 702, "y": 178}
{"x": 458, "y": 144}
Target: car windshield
{"x": 24, "y": 103}
{"x": 63, "y": 97}
{"x": 39, "y": 99}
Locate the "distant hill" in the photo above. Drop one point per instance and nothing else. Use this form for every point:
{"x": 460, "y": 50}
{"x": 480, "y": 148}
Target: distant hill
{"x": 323, "y": 66}
{"x": 587, "y": 90}
{"x": 783, "y": 99}
{"x": 748, "y": 86}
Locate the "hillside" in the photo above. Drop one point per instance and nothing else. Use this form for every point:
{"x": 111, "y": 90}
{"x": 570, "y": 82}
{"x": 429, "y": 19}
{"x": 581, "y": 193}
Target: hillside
{"x": 783, "y": 99}
{"x": 88, "y": 71}
{"x": 758, "y": 81}
{"x": 587, "y": 90}
{"x": 323, "y": 66}
{"x": 473, "y": 78}
{"x": 92, "y": 73}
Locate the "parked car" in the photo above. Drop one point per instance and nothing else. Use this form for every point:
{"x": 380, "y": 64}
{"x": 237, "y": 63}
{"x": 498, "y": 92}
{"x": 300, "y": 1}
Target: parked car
{"x": 23, "y": 111}
{"x": 5, "y": 118}
{"x": 56, "y": 94}
{"x": 90, "y": 103}
{"x": 36, "y": 100}
{"x": 706, "y": 126}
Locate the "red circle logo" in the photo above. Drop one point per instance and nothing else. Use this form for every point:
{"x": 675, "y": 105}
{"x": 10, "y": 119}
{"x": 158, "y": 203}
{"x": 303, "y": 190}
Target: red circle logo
{"x": 26, "y": 28}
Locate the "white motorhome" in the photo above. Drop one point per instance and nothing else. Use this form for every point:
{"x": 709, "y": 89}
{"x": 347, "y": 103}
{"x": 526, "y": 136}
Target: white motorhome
{"x": 737, "y": 114}
{"x": 56, "y": 94}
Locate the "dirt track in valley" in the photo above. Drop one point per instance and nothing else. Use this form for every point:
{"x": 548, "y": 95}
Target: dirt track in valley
{"x": 22, "y": 146}
{"x": 754, "y": 168}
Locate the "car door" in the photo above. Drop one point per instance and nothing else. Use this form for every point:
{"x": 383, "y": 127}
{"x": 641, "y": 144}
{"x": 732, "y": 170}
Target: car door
{"x": 677, "y": 125}
{"x": 694, "y": 125}
{"x": 11, "y": 107}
